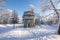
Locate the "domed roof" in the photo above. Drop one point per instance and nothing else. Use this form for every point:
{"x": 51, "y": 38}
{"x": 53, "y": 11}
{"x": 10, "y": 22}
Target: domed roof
{"x": 28, "y": 12}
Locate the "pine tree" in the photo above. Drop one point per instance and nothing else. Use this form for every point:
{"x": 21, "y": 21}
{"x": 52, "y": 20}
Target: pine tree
{"x": 14, "y": 19}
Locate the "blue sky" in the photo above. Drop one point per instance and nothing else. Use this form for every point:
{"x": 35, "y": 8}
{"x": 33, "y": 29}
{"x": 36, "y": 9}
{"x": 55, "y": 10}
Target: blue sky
{"x": 22, "y": 5}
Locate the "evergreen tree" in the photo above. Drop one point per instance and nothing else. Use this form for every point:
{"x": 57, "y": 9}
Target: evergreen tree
{"x": 14, "y": 19}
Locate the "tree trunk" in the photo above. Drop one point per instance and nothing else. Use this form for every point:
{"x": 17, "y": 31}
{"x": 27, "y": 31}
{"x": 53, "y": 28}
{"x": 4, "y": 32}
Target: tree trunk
{"x": 57, "y": 15}
{"x": 59, "y": 30}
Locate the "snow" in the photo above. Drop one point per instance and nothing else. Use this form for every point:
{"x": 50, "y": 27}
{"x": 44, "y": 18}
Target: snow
{"x": 11, "y": 25}
{"x": 40, "y": 32}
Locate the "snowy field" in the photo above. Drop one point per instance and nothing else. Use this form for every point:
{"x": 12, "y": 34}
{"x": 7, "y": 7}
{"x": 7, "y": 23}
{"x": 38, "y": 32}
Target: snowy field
{"x": 17, "y": 32}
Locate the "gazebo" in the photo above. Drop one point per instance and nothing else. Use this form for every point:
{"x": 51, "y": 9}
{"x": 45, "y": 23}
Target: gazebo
{"x": 29, "y": 19}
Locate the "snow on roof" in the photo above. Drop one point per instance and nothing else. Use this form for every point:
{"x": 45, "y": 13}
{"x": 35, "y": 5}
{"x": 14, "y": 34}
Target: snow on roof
{"x": 28, "y": 12}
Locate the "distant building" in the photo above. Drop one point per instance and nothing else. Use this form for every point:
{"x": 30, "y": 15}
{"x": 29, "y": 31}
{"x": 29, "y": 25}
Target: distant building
{"x": 29, "y": 19}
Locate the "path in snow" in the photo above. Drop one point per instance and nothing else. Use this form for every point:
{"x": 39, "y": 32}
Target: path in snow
{"x": 41, "y": 32}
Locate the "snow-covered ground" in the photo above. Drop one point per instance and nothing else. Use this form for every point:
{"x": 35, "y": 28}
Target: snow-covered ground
{"x": 17, "y": 32}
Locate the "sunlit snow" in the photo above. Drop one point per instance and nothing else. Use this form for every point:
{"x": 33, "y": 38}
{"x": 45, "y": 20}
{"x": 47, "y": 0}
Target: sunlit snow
{"x": 18, "y": 32}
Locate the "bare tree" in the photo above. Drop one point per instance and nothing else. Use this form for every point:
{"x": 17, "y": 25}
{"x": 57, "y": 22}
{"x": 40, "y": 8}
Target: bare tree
{"x": 57, "y": 15}
{"x": 51, "y": 5}
{"x": 54, "y": 8}
{"x": 46, "y": 4}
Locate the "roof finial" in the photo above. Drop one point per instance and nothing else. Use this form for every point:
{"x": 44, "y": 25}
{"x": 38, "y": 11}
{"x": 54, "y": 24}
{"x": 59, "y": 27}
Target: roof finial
{"x": 31, "y": 7}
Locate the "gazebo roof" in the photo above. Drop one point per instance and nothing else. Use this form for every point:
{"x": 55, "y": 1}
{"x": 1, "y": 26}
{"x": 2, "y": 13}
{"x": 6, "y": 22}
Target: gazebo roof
{"x": 28, "y": 12}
